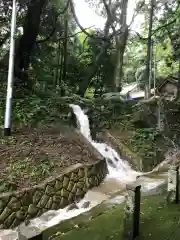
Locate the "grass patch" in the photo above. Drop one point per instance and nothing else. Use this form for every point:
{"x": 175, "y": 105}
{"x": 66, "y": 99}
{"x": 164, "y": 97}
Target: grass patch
{"x": 158, "y": 221}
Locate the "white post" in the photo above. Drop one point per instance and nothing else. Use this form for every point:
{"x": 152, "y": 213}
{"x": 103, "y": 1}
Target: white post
{"x": 7, "y": 120}
{"x": 150, "y": 68}
{"x": 154, "y": 71}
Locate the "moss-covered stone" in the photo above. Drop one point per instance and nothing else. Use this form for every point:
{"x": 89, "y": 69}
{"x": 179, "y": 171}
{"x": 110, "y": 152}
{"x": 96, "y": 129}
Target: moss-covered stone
{"x": 70, "y": 186}
{"x": 64, "y": 193}
{"x": 32, "y": 210}
{"x": 81, "y": 173}
{"x": 27, "y": 198}
{"x": 64, "y": 202}
{"x": 14, "y": 204}
{"x": 4, "y": 215}
{"x": 49, "y": 190}
{"x": 36, "y": 197}
{"x": 10, "y": 219}
{"x": 41, "y": 204}
{"x": 58, "y": 185}
{"x": 65, "y": 181}
{"x": 49, "y": 203}
{"x": 55, "y": 194}
{"x": 22, "y": 213}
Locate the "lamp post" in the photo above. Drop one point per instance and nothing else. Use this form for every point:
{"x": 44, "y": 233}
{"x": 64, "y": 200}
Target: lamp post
{"x": 7, "y": 119}
{"x": 154, "y": 71}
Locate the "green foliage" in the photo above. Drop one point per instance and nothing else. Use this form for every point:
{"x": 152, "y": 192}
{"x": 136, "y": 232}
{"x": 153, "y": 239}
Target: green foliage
{"x": 35, "y": 109}
{"x": 145, "y": 141}
{"x": 48, "y": 67}
{"x": 150, "y": 145}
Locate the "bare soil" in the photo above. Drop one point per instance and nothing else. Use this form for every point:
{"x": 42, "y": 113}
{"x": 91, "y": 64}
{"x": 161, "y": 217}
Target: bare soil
{"x": 32, "y": 155}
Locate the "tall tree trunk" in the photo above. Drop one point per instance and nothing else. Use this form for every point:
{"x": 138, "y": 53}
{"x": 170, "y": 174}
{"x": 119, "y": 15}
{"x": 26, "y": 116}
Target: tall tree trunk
{"x": 61, "y": 64}
{"x": 91, "y": 71}
{"x": 58, "y": 64}
{"x": 65, "y": 49}
{"x": 178, "y": 92}
{"x": 65, "y": 52}
{"x": 93, "y": 68}
{"x": 121, "y": 41}
{"x": 26, "y": 43}
{"x": 149, "y": 47}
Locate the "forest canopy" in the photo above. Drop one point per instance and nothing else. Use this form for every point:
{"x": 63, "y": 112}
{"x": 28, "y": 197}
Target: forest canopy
{"x": 54, "y": 52}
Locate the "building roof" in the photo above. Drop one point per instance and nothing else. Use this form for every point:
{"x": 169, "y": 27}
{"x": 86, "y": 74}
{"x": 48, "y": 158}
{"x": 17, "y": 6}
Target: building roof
{"x": 128, "y": 87}
{"x": 139, "y": 94}
{"x": 162, "y": 81}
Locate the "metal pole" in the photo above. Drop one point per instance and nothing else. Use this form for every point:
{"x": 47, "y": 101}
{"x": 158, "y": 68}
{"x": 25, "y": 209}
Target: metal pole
{"x": 149, "y": 47}
{"x": 154, "y": 71}
{"x": 7, "y": 120}
{"x": 150, "y": 67}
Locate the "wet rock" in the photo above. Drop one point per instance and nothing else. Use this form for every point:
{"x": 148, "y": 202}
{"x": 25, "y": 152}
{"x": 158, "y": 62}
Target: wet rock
{"x": 72, "y": 207}
{"x": 27, "y": 221}
{"x": 111, "y": 162}
{"x": 72, "y": 118}
{"x": 86, "y": 204}
{"x": 116, "y": 159}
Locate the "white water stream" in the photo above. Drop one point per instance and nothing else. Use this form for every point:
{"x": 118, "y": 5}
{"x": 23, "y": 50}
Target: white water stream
{"x": 120, "y": 174}
{"x": 118, "y": 168}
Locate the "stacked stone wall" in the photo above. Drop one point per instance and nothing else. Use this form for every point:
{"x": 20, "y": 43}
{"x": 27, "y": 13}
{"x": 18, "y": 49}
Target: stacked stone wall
{"x": 55, "y": 193}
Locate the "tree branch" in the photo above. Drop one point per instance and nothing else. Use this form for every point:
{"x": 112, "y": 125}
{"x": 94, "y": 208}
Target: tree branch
{"x": 79, "y": 25}
{"x": 51, "y": 33}
{"x": 54, "y": 28}
{"x": 73, "y": 35}
{"x": 109, "y": 14}
{"x": 156, "y": 30}
{"x": 163, "y": 26}
{"x": 136, "y": 13}
{"x": 65, "y": 9}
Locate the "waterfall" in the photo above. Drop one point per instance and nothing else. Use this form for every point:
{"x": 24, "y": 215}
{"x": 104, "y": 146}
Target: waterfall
{"x": 117, "y": 167}
{"x": 119, "y": 170}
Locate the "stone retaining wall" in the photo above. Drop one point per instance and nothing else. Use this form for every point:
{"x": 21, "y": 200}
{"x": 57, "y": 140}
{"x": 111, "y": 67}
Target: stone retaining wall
{"x": 55, "y": 193}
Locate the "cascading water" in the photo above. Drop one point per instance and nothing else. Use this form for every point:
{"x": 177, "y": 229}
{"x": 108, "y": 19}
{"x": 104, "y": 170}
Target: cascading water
{"x": 118, "y": 168}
